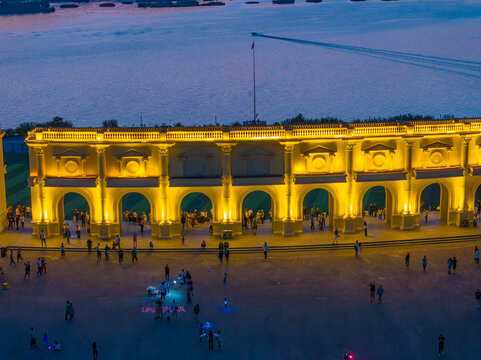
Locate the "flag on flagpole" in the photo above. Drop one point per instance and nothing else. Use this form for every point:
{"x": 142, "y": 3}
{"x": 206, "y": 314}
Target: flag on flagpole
{"x": 252, "y": 45}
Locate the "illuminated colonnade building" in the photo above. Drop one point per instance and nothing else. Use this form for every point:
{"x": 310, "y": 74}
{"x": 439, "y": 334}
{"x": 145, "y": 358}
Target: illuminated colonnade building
{"x": 228, "y": 163}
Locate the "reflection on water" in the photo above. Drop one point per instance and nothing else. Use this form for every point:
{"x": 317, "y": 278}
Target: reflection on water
{"x": 194, "y": 65}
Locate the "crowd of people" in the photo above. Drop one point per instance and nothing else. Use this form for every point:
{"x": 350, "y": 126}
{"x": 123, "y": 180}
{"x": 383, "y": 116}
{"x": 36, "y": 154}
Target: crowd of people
{"x": 16, "y": 217}
{"x": 252, "y": 219}
{"x": 194, "y": 218}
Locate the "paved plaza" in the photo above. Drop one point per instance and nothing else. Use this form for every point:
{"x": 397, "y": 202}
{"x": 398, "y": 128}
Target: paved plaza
{"x": 305, "y": 305}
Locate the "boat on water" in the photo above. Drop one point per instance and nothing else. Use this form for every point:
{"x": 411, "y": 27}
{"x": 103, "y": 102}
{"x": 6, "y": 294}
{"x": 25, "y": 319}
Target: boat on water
{"x": 213, "y": 3}
{"x": 283, "y": 2}
{"x": 107, "y": 5}
{"x": 68, "y": 6}
{"x": 21, "y": 7}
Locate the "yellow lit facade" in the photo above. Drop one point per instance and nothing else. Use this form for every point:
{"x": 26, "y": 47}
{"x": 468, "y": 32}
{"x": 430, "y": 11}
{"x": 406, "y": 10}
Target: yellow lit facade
{"x": 228, "y": 163}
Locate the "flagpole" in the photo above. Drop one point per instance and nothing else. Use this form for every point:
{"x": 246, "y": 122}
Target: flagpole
{"x": 254, "y": 74}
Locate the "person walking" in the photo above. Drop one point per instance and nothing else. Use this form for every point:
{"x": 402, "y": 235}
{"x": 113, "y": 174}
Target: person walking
{"x": 477, "y": 295}
{"x": 12, "y": 262}
{"x": 476, "y": 256}
{"x": 67, "y": 235}
{"x": 425, "y": 263}
{"x": 201, "y": 332}
{"x": 42, "y": 238}
{"x": 380, "y": 292}
{"x": 408, "y": 257}
{"x": 221, "y": 253}
{"x": 67, "y": 310}
{"x": 19, "y": 254}
{"x": 336, "y": 237}
{"x": 167, "y": 272}
{"x": 365, "y": 228}
{"x": 121, "y": 255}
{"x": 372, "y": 288}
{"x": 196, "y": 312}
{"x": 356, "y": 247}
{"x": 359, "y": 248}
{"x": 95, "y": 351}
{"x": 211, "y": 340}
{"x": 27, "y": 270}
{"x": 99, "y": 253}
{"x": 134, "y": 254}
{"x": 455, "y": 263}
{"x": 62, "y": 250}
{"x": 89, "y": 245}
{"x": 33, "y": 338}
{"x": 71, "y": 311}
{"x": 106, "y": 252}
{"x": 225, "y": 278}
{"x": 226, "y": 254}
{"x": 450, "y": 265}
{"x": 441, "y": 341}
{"x": 39, "y": 267}
{"x": 426, "y": 212}
{"x": 266, "y": 249}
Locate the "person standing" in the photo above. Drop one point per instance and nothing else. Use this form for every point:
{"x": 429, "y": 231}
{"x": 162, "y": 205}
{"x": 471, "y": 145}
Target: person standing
{"x": 225, "y": 278}
{"x": 219, "y": 339}
{"x": 67, "y": 310}
{"x": 426, "y": 212}
{"x": 226, "y": 254}
{"x": 196, "y": 312}
{"x": 134, "y": 254}
{"x": 99, "y": 254}
{"x": 455, "y": 263}
{"x": 477, "y": 295}
{"x": 89, "y": 245}
{"x": 78, "y": 232}
{"x": 68, "y": 235}
{"x": 221, "y": 252}
{"x": 134, "y": 240}
{"x": 19, "y": 254}
{"x": 62, "y": 250}
{"x": 201, "y": 332}
{"x": 476, "y": 256}
{"x": 365, "y": 228}
{"x": 266, "y": 249}
{"x": 356, "y": 247}
{"x": 12, "y": 262}
{"x": 425, "y": 263}
{"x": 27, "y": 270}
{"x": 380, "y": 292}
{"x": 359, "y": 248}
{"x": 336, "y": 237}
{"x": 372, "y": 288}
{"x": 121, "y": 255}
{"x": 408, "y": 257}
{"x": 167, "y": 272}
{"x": 39, "y": 267}
{"x": 33, "y": 338}
{"x": 95, "y": 351}
{"x": 106, "y": 252}
{"x": 42, "y": 238}
{"x": 450, "y": 265}
{"x": 441, "y": 341}
{"x": 71, "y": 311}
{"x": 211, "y": 340}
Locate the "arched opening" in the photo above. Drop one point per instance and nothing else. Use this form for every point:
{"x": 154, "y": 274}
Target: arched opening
{"x": 377, "y": 206}
{"x": 196, "y": 213}
{"x": 477, "y": 201}
{"x": 317, "y": 206}
{"x": 257, "y": 210}
{"x": 74, "y": 215}
{"x": 135, "y": 212}
{"x": 434, "y": 204}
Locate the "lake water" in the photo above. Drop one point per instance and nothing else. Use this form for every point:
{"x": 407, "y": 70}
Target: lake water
{"x": 194, "y": 65}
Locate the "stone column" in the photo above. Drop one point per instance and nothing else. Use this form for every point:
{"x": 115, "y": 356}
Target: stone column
{"x": 162, "y": 228}
{"x": 349, "y": 218}
{"x": 465, "y": 216}
{"x": 43, "y": 221}
{"x": 290, "y": 225}
{"x": 409, "y": 220}
{"x": 227, "y": 225}
{"x": 102, "y": 224}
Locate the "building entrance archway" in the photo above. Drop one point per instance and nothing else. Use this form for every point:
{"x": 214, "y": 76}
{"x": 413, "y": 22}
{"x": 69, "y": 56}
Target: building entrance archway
{"x": 135, "y": 212}
{"x": 377, "y": 205}
{"x": 257, "y": 210}
{"x": 73, "y": 211}
{"x": 318, "y": 204}
{"x": 435, "y": 199}
{"x": 196, "y": 212}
